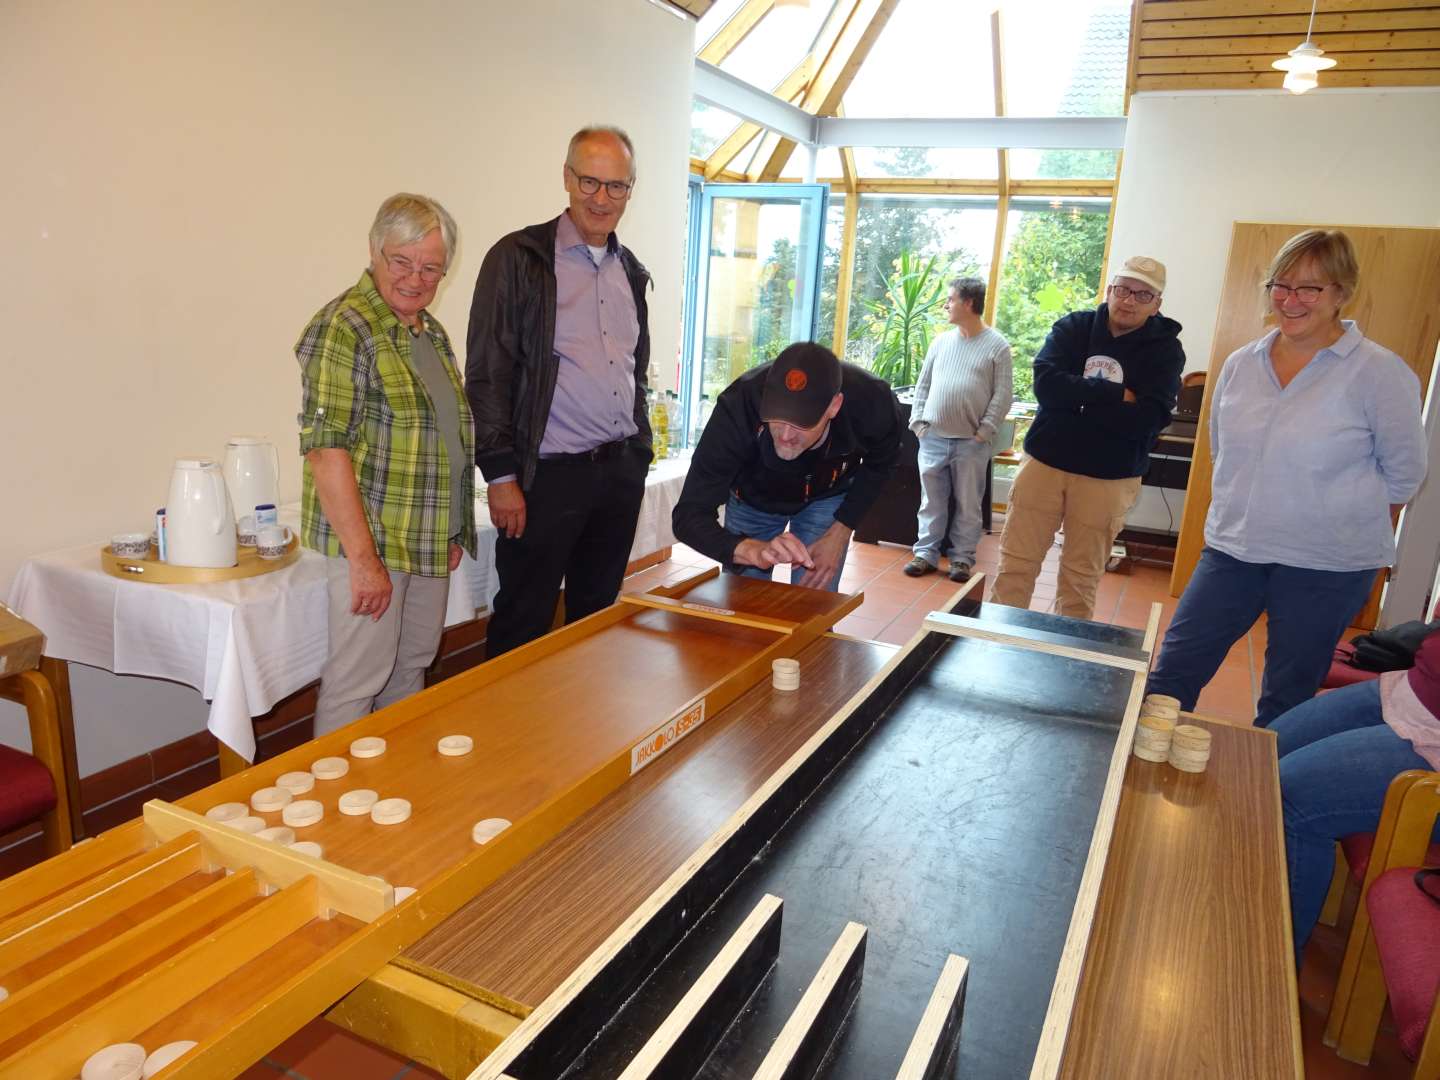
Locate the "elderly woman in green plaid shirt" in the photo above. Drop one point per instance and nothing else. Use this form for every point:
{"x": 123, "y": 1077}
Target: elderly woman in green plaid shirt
{"x": 388, "y": 441}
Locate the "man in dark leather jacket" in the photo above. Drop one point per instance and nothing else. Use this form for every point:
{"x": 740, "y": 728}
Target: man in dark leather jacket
{"x": 797, "y": 450}
{"x": 557, "y": 352}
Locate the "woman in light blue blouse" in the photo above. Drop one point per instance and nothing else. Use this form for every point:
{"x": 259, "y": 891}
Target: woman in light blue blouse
{"x": 1317, "y": 443}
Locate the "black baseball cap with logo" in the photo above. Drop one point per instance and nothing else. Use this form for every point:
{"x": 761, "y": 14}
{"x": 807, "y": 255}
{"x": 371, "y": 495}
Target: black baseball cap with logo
{"x": 802, "y": 382}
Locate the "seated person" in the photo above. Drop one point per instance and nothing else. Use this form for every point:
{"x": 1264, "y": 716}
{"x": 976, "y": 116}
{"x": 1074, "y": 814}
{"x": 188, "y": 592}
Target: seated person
{"x": 1338, "y": 754}
{"x": 796, "y": 450}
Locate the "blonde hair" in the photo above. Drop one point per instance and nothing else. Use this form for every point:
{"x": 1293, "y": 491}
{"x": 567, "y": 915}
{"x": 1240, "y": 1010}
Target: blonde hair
{"x": 406, "y": 218}
{"x": 1330, "y": 249}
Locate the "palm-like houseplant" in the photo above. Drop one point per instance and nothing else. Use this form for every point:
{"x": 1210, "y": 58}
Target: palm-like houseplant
{"x": 905, "y": 317}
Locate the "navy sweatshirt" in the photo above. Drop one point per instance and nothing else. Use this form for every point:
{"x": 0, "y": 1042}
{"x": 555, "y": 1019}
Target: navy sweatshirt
{"x": 1084, "y": 424}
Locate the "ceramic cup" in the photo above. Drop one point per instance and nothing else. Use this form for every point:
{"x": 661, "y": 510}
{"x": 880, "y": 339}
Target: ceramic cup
{"x": 130, "y": 545}
{"x": 272, "y": 540}
{"x": 245, "y": 530}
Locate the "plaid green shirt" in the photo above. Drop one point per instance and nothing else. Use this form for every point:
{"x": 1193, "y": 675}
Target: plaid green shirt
{"x": 362, "y": 394}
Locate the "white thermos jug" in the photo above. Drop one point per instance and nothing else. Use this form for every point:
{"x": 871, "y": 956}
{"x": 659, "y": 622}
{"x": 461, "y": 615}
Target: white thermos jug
{"x": 252, "y": 473}
{"x": 199, "y": 525}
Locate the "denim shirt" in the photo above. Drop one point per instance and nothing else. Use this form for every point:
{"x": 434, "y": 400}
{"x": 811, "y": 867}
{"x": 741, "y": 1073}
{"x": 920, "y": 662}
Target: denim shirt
{"x": 1305, "y": 474}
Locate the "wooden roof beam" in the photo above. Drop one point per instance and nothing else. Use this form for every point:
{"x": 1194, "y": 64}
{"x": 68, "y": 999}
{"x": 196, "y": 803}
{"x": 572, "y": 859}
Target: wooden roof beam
{"x": 788, "y": 89}
{"x": 735, "y": 30}
{"x": 834, "y": 74}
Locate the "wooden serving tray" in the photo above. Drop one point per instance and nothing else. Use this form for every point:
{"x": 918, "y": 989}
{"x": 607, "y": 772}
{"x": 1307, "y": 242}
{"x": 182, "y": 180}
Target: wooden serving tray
{"x": 150, "y": 569}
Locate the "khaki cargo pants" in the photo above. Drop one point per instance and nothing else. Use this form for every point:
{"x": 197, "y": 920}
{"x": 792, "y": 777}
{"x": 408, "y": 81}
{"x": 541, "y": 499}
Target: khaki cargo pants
{"x": 1042, "y": 499}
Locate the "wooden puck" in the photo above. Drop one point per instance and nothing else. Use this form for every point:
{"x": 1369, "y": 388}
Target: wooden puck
{"x": 330, "y": 768}
{"x": 269, "y": 799}
{"x": 303, "y": 812}
{"x": 165, "y": 1055}
{"x": 390, "y": 811}
{"x": 1185, "y": 765}
{"x": 1192, "y": 737}
{"x": 487, "y": 830}
{"x": 1163, "y": 700}
{"x": 122, "y": 1061}
{"x": 786, "y": 665}
{"x": 455, "y": 745}
{"x": 250, "y": 823}
{"x": 227, "y": 811}
{"x": 367, "y": 747}
{"x": 357, "y": 803}
{"x": 297, "y": 783}
{"x": 308, "y": 847}
{"x": 279, "y": 834}
{"x": 1146, "y": 754}
{"x": 1173, "y": 715}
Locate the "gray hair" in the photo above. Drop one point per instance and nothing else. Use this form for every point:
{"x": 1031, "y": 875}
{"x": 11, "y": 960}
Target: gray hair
{"x": 594, "y": 130}
{"x": 971, "y": 289}
{"x": 405, "y": 219}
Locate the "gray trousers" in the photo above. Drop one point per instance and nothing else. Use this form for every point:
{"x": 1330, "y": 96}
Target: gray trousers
{"x": 373, "y": 663}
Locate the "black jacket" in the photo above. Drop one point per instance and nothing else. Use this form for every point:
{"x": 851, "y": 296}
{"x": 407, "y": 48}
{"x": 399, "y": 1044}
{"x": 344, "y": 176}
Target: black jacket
{"x": 1084, "y": 425}
{"x": 736, "y": 456}
{"x": 510, "y": 363}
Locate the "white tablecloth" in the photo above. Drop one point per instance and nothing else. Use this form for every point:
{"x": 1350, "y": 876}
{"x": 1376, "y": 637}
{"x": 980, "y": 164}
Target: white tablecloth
{"x": 244, "y": 644}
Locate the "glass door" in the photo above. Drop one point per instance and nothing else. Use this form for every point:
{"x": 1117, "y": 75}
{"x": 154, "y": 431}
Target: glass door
{"x": 756, "y": 267}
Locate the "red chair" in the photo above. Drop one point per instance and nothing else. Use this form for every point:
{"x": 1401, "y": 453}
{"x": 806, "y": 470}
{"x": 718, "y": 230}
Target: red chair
{"x": 1406, "y": 969}
{"x": 1406, "y": 925}
{"x": 32, "y": 786}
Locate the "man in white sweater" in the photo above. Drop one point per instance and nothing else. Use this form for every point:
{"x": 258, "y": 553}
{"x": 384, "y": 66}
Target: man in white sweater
{"x": 964, "y": 392}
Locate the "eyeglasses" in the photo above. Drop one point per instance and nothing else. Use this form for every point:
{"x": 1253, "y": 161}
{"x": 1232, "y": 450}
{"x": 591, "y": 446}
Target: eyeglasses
{"x": 1306, "y": 294}
{"x": 589, "y": 185}
{"x": 1140, "y": 296}
{"x": 402, "y": 267}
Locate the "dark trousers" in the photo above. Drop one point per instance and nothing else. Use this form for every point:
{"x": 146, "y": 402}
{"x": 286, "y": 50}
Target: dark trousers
{"x": 579, "y": 524}
{"x": 1307, "y": 611}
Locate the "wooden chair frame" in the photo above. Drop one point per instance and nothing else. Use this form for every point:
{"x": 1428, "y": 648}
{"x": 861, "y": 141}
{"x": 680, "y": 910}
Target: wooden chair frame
{"x": 42, "y": 705}
{"x": 1412, "y": 805}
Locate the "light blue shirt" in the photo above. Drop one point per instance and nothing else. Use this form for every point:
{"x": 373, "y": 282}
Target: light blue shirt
{"x": 1305, "y": 475}
{"x": 596, "y": 331}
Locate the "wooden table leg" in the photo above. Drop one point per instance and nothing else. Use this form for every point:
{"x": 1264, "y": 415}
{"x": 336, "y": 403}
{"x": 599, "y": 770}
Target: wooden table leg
{"x": 231, "y": 762}
{"x": 58, "y": 672}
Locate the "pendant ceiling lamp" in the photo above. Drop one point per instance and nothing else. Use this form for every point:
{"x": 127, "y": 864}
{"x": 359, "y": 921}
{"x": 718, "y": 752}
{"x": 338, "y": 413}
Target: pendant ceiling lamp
{"x": 1304, "y": 62}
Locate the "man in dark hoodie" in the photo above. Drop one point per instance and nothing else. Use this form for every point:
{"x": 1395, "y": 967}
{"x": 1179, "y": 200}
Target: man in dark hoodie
{"x": 1106, "y": 381}
{"x": 555, "y": 374}
{"x": 797, "y": 451}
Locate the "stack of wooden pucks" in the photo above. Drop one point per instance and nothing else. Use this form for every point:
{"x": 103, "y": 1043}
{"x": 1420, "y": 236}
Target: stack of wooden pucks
{"x": 1155, "y": 727}
{"x": 1190, "y": 748}
{"x": 785, "y": 674}
{"x": 1158, "y": 716}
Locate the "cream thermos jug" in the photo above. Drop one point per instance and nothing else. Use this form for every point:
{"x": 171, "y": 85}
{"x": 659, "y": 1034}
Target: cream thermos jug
{"x": 252, "y": 473}
{"x": 199, "y": 525}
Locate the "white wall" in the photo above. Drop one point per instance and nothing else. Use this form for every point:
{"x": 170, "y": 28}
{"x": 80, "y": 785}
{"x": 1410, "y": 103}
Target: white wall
{"x": 187, "y": 183}
{"x": 1196, "y": 163}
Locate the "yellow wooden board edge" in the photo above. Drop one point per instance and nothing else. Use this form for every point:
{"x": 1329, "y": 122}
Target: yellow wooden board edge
{"x": 360, "y": 896}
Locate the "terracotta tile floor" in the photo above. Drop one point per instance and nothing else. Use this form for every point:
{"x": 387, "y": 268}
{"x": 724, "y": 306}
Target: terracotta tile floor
{"x": 893, "y": 609}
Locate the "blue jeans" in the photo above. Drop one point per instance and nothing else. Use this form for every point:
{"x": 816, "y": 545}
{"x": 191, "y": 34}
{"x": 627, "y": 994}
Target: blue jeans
{"x": 1308, "y": 611}
{"x": 809, "y": 523}
{"x": 948, "y": 465}
{"x": 1337, "y": 757}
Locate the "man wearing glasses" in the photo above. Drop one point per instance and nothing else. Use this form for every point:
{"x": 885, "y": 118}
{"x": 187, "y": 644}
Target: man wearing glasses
{"x": 557, "y": 353}
{"x": 1106, "y": 382}
{"x": 389, "y": 494}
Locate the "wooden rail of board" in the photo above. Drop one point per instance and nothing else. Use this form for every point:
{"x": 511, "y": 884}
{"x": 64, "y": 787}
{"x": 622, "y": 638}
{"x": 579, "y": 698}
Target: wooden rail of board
{"x": 1058, "y": 1013}
{"x": 710, "y": 611}
{"x": 688, "y": 1035}
{"x": 805, "y": 1040}
{"x": 1040, "y": 640}
{"x": 140, "y": 935}
{"x": 939, "y": 1028}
